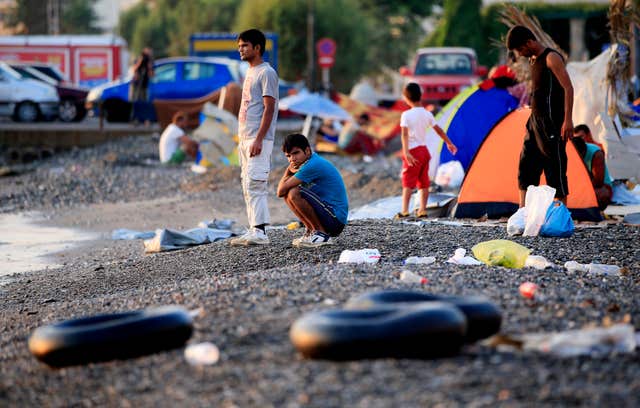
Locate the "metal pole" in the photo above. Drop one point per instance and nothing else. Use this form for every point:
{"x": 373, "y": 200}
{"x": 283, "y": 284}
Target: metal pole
{"x": 310, "y": 44}
{"x": 326, "y": 84}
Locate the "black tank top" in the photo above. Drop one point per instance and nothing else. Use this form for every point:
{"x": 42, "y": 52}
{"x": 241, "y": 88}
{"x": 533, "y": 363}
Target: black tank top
{"x": 547, "y": 95}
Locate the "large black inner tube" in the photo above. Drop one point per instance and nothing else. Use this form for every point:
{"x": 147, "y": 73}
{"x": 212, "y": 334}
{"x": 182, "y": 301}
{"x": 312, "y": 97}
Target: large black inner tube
{"x": 417, "y": 331}
{"x": 483, "y": 317}
{"x": 111, "y": 336}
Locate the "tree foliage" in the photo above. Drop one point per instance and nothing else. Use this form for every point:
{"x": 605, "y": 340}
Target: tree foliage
{"x": 166, "y": 25}
{"x": 334, "y": 19}
{"x": 461, "y": 25}
{"x": 76, "y": 17}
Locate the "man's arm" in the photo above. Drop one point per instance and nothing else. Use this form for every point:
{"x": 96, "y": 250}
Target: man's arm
{"x": 287, "y": 182}
{"x": 556, "y": 65}
{"x": 269, "y": 103}
{"x": 597, "y": 169}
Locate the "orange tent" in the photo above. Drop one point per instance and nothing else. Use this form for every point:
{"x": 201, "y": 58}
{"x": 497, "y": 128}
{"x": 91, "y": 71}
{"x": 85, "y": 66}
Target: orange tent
{"x": 490, "y": 186}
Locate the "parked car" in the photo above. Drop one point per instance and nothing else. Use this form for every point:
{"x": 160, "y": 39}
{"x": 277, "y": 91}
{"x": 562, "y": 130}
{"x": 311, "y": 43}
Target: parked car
{"x": 72, "y": 98}
{"x": 442, "y": 72}
{"x": 26, "y": 100}
{"x": 174, "y": 78}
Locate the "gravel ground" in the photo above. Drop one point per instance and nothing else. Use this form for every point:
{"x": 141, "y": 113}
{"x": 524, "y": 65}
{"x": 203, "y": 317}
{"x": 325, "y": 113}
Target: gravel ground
{"x": 250, "y": 296}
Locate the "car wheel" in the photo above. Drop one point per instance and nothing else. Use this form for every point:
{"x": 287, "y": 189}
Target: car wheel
{"x": 67, "y": 111}
{"x": 27, "y": 112}
{"x": 82, "y": 113}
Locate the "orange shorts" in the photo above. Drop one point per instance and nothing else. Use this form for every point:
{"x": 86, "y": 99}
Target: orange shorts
{"x": 418, "y": 174}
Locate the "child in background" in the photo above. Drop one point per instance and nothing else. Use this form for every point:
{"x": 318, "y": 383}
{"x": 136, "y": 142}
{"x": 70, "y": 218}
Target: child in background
{"x": 415, "y": 156}
{"x": 174, "y": 143}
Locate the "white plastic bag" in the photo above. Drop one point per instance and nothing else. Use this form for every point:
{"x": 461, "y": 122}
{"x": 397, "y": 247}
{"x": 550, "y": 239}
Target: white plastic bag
{"x": 450, "y": 174}
{"x": 516, "y": 223}
{"x": 537, "y": 202}
{"x": 367, "y": 255}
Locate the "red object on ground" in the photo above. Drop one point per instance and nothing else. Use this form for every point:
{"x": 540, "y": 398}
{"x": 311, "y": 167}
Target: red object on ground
{"x": 528, "y": 290}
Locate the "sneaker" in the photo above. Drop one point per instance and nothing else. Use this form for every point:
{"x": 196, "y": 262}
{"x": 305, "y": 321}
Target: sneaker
{"x": 296, "y": 241}
{"x": 254, "y": 236}
{"x": 317, "y": 239}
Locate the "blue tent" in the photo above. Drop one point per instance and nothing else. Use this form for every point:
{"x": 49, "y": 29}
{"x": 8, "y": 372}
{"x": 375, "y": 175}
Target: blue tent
{"x": 473, "y": 121}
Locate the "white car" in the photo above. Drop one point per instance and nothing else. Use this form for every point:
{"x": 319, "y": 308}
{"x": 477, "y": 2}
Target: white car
{"x": 26, "y": 100}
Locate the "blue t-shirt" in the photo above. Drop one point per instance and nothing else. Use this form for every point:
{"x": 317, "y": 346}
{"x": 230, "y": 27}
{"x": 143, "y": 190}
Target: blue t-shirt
{"x": 321, "y": 177}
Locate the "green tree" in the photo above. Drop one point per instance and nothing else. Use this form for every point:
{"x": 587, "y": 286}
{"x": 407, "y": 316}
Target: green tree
{"x": 398, "y": 26}
{"x": 461, "y": 25}
{"x": 166, "y": 25}
{"x": 78, "y": 17}
{"x": 30, "y": 16}
{"x": 335, "y": 19}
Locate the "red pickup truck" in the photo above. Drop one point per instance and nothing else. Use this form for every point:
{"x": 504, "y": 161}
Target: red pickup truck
{"x": 442, "y": 72}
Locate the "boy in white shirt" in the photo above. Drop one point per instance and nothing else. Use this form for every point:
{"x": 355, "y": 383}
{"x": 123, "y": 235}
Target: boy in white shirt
{"x": 174, "y": 143}
{"x": 415, "y": 156}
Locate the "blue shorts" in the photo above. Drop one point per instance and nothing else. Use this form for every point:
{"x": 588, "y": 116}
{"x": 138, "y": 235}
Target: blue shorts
{"x": 331, "y": 224}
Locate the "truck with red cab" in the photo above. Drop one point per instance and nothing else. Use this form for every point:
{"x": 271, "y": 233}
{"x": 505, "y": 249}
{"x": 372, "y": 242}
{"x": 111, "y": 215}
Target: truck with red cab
{"x": 442, "y": 72}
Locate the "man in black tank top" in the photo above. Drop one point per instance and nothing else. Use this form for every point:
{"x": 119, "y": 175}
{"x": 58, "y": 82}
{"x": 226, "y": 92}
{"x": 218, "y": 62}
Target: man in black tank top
{"x": 550, "y": 125}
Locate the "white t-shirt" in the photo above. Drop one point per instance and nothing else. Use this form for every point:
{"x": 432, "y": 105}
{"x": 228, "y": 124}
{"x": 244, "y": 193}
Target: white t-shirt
{"x": 260, "y": 81}
{"x": 418, "y": 120}
{"x": 169, "y": 142}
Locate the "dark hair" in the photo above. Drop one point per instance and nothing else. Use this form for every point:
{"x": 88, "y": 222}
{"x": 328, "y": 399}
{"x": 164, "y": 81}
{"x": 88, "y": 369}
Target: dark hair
{"x": 580, "y": 145}
{"x": 364, "y": 116}
{"x": 295, "y": 140}
{"x": 178, "y": 116}
{"x": 412, "y": 92}
{"x": 518, "y": 36}
{"x": 582, "y": 128}
{"x": 255, "y": 37}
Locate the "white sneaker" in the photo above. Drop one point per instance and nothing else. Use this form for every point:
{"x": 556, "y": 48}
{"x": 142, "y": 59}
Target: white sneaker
{"x": 255, "y": 236}
{"x": 296, "y": 241}
{"x": 315, "y": 240}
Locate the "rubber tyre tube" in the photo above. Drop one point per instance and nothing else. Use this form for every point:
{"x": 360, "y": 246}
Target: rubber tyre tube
{"x": 111, "y": 336}
{"x": 425, "y": 330}
{"x": 483, "y": 317}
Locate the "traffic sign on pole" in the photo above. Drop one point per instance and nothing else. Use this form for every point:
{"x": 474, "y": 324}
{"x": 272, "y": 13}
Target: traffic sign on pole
{"x": 326, "y": 49}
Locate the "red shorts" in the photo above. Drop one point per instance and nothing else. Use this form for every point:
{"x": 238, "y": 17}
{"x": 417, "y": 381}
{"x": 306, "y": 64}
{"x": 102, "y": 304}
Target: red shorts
{"x": 418, "y": 174}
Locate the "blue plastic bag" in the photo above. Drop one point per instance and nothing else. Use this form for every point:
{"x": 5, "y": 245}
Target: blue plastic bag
{"x": 557, "y": 222}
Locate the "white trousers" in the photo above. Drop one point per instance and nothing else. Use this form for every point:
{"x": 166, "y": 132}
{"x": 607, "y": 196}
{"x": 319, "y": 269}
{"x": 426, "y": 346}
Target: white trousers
{"x": 255, "y": 178}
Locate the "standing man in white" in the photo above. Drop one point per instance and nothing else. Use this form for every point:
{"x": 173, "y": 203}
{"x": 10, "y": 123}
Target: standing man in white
{"x": 257, "y": 128}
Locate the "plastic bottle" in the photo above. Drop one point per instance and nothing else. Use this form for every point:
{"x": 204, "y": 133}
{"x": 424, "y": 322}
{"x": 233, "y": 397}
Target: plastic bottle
{"x": 593, "y": 268}
{"x": 410, "y": 277}
{"x": 423, "y": 260}
{"x": 602, "y": 269}
{"x": 619, "y": 338}
{"x": 573, "y": 266}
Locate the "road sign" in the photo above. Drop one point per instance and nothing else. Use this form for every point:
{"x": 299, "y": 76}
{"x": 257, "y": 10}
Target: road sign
{"x": 326, "y": 49}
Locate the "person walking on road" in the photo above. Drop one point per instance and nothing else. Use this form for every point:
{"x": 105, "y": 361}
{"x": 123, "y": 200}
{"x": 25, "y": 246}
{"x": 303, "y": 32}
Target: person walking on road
{"x": 550, "y": 125}
{"x": 256, "y": 130}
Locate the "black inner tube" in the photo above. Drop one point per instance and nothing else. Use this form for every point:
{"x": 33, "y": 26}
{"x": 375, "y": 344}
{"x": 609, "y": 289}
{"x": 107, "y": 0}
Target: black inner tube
{"x": 418, "y": 331}
{"x": 483, "y": 317}
{"x": 111, "y": 336}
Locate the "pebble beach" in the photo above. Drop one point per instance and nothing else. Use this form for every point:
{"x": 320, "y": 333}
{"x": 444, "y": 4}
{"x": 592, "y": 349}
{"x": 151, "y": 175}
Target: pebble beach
{"x": 247, "y": 298}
